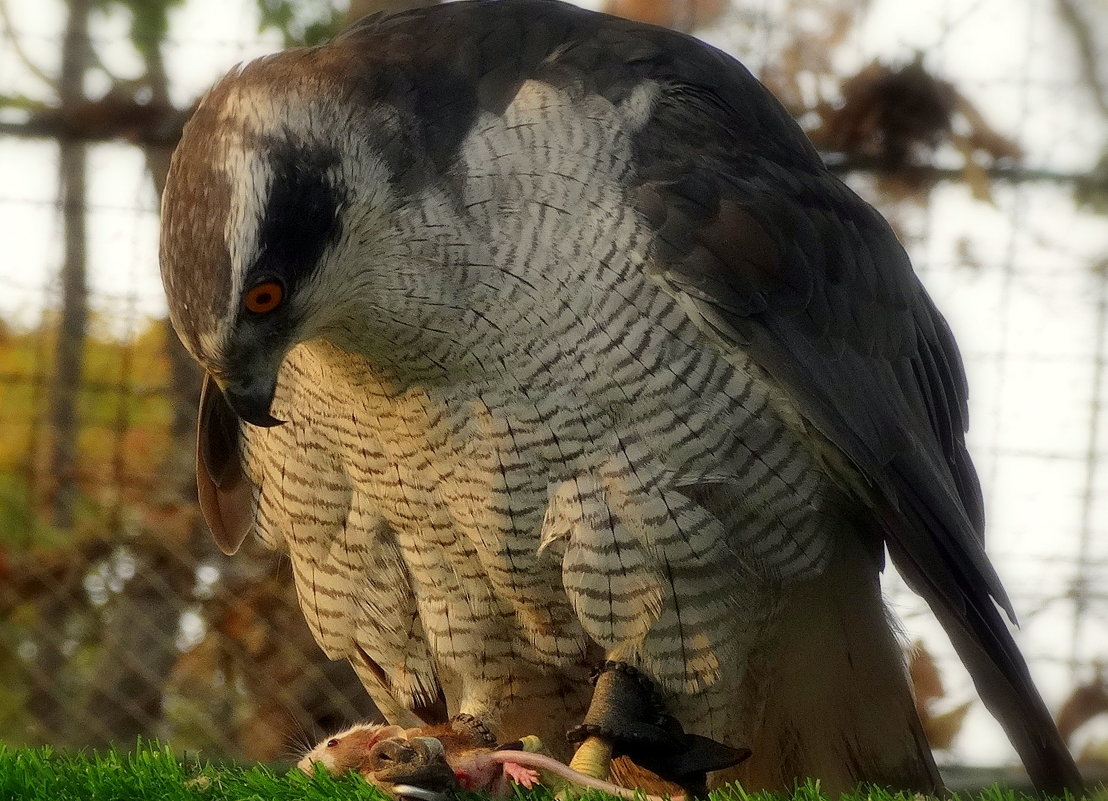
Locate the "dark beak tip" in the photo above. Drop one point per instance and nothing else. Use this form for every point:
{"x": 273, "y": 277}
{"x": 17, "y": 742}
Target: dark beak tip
{"x": 253, "y": 408}
{"x": 266, "y": 421}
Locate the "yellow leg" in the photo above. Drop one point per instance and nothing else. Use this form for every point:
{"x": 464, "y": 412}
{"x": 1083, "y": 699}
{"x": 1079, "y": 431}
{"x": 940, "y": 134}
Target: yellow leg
{"x": 593, "y": 758}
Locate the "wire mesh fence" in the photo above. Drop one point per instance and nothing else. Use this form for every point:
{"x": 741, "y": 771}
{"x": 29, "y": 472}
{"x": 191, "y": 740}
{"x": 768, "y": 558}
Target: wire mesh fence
{"x": 120, "y": 619}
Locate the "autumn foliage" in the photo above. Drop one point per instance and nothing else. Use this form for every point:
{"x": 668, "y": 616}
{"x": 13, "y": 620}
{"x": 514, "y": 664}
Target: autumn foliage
{"x": 124, "y": 412}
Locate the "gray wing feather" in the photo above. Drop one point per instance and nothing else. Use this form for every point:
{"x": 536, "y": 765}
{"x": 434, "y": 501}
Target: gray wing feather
{"x": 811, "y": 282}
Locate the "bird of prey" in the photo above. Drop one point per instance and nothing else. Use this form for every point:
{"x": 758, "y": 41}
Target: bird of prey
{"x": 539, "y": 338}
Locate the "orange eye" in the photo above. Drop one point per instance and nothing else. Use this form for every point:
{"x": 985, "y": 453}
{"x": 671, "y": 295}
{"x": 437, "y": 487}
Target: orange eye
{"x": 264, "y": 297}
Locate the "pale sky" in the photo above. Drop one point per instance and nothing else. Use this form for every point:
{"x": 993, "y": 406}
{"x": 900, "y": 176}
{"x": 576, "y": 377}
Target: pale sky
{"x": 1013, "y": 277}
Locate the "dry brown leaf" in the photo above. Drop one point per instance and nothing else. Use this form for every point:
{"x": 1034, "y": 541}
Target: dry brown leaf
{"x": 1086, "y": 702}
{"x": 927, "y": 683}
{"x": 896, "y": 115}
{"x": 940, "y": 730}
{"x": 679, "y": 15}
{"x": 900, "y": 116}
{"x": 939, "y": 727}
{"x": 973, "y": 172}
{"x": 983, "y": 136}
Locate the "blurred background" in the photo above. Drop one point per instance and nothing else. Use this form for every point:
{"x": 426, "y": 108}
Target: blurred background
{"x": 979, "y": 127}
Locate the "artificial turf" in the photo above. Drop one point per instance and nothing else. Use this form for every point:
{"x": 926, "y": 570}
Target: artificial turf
{"x": 155, "y": 773}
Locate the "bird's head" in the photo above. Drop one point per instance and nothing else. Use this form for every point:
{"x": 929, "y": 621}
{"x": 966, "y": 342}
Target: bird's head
{"x": 264, "y": 244}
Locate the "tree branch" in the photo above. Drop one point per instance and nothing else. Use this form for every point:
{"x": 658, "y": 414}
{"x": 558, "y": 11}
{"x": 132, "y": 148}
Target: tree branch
{"x": 1087, "y": 52}
{"x": 20, "y": 53}
{"x": 112, "y": 118}
{"x": 157, "y": 125}
{"x": 842, "y": 164}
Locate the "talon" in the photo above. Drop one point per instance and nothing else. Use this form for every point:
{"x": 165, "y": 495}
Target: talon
{"x": 403, "y": 791}
{"x": 628, "y": 716}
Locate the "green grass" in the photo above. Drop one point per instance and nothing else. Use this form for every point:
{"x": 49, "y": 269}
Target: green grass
{"x": 156, "y": 774}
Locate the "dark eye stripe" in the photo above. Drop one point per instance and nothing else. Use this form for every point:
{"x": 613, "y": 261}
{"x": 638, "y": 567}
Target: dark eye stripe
{"x": 301, "y": 212}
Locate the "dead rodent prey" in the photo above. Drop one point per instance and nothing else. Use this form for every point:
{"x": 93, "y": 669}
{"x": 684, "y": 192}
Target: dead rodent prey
{"x": 428, "y": 763}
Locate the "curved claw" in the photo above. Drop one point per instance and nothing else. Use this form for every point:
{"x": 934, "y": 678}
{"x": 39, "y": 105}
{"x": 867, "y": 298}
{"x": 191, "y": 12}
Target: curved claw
{"x": 420, "y": 793}
{"x": 628, "y": 714}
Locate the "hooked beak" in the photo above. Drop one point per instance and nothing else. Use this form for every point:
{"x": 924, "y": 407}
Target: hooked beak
{"x": 252, "y": 403}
